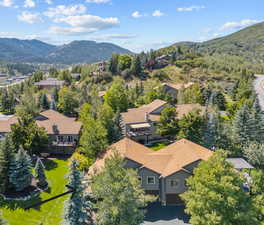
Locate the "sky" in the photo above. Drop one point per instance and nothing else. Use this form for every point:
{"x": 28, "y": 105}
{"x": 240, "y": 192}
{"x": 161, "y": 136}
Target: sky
{"x": 138, "y": 25}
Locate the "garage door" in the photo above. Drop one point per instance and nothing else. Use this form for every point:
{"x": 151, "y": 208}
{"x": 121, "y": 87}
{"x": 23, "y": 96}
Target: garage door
{"x": 173, "y": 199}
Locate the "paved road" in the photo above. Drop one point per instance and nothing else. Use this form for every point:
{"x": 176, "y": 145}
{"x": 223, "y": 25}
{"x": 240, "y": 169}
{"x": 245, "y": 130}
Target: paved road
{"x": 259, "y": 89}
{"x": 165, "y": 215}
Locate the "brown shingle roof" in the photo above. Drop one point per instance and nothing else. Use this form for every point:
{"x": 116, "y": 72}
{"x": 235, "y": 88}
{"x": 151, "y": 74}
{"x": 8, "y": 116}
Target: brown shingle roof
{"x": 165, "y": 162}
{"x": 186, "y": 108}
{"x": 47, "y": 119}
{"x": 138, "y": 115}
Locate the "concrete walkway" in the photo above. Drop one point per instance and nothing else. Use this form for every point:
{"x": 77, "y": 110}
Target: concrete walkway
{"x": 259, "y": 88}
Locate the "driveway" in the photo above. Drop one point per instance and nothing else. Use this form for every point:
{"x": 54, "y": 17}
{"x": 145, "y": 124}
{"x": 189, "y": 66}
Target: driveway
{"x": 259, "y": 81}
{"x": 166, "y": 215}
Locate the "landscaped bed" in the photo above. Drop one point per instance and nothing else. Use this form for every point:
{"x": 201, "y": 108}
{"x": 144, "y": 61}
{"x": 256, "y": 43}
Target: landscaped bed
{"x": 159, "y": 145}
{"x": 48, "y": 213}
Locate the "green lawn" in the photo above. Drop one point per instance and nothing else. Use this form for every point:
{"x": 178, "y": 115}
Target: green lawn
{"x": 158, "y": 146}
{"x": 49, "y": 213}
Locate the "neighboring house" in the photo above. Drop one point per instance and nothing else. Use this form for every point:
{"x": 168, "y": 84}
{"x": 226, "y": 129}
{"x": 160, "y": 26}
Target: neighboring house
{"x": 63, "y": 131}
{"x": 241, "y": 164}
{"x": 173, "y": 89}
{"x": 50, "y": 83}
{"x": 76, "y": 76}
{"x": 140, "y": 123}
{"x": 101, "y": 66}
{"x": 162, "y": 173}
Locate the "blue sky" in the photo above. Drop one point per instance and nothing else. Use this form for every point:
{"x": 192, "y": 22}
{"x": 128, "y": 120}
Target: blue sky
{"x": 134, "y": 24}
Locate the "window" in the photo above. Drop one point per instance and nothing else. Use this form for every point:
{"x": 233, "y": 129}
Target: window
{"x": 151, "y": 180}
{"x": 69, "y": 139}
{"x": 174, "y": 183}
{"x": 60, "y": 139}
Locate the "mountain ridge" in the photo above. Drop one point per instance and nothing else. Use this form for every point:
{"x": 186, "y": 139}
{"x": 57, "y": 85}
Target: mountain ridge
{"x": 76, "y": 52}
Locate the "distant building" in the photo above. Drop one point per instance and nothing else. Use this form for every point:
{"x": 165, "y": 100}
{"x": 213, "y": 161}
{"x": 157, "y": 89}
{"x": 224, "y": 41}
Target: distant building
{"x": 50, "y": 83}
{"x": 101, "y": 66}
{"x": 240, "y": 163}
{"x": 63, "y": 131}
{"x": 173, "y": 89}
{"x": 76, "y": 76}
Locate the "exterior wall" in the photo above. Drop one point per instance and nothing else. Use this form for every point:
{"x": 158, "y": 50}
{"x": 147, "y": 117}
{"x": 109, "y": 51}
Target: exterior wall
{"x": 192, "y": 166}
{"x": 181, "y": 176}
{"x": 144, "y": 173}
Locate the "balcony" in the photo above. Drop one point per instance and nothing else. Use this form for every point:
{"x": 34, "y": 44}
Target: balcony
{"x": 63, "y": 144}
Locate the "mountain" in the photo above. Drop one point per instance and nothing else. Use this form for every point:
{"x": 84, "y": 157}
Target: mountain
{"x": 83, "y": 51}
{"x": 247, "y": 43}
{"x": 35, "y": 51}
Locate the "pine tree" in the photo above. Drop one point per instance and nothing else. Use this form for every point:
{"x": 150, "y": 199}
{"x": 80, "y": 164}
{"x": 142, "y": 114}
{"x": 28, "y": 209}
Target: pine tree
{"x": 20, "y": 175}
{"x": 77, "y": 210}
{"x": 256, "y": 123}
{"x": 113, "y": 64}
{"x": 136, "y": 67}
{"x": 43, "y": 101}
{"x": 40, "y": 174}
{"x": 241, "y": 125}
{"x": 6, "y": 151}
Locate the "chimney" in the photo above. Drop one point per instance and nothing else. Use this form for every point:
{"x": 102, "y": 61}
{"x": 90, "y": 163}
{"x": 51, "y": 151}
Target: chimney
{"x": 147, "y": 116}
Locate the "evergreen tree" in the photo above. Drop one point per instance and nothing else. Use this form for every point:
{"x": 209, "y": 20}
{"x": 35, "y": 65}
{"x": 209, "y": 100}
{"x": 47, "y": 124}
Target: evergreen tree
{"x": 113, "y": 64}
{"x": 20, "y": 175}
{"x": 43, "y": 101}
{"x": 256, "y": 123}
{"x": 241, "y": 125}
{"x": 6, "y": 151}
{"x": 215, "y": 195}
{"x": 77, "y": 210}
{"x": 219, "y": 99}
{"x": 136, "y": 67}
{"x": 254, "y": 152}
{"x": 55, "y": 94}
{"x": 40, "y": 174}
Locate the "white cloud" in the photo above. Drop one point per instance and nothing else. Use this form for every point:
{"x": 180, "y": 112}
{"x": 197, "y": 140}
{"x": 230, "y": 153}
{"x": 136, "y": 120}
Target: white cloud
{"x": 157, "y": 13}
{"x": 136, "y": 14}
{"x": 29, "y": 4}
{"x": 98, "y": 1}
{"x": 112, "y": 36}
{"x": 71, "y": 30}
{"x": 191, "y": 8}
{"x": 63, "y": 10}
{"x": 7, "y": 3}
{"x": 84, "y": 24}
{"x": 235, "y": 25}
{"x": 29, "y": 17}
{"x": 49, "y": 2}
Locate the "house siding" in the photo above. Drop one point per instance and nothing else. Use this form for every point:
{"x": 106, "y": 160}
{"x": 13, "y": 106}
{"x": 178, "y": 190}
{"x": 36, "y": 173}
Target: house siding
{"x": 192, "y": 166}
{"x": 144, "y": 173}
{"x": 129, "y": 164}
{"x": 181, "y": 176}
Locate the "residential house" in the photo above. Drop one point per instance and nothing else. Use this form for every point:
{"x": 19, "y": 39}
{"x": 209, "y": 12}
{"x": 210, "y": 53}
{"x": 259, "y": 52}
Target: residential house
{"x": 50, "y": 83}
{"x": 140, "y": 123}
{"x": 173, "y": 89}
{"x": 162, "y": 173}
{"x": 63, "y": 131}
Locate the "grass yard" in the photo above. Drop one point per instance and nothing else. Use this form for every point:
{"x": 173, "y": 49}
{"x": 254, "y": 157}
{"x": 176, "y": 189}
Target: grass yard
{"x": 49, "y": 213}
{"x": 158, "y": 146}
